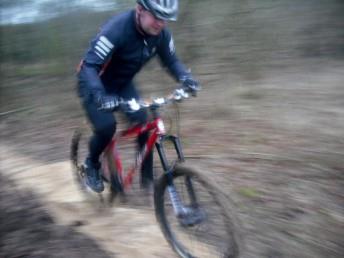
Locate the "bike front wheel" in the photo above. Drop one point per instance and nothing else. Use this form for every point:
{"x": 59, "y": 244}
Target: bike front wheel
{"x": 214, "y": 232}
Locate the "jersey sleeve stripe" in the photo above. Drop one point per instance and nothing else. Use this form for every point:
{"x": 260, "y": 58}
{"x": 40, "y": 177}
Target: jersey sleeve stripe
{"x": 101, "y": 51}
{"x": 102, "y": 45}
{"x": 106, "y": 42}
{"x": 98, "y": 54}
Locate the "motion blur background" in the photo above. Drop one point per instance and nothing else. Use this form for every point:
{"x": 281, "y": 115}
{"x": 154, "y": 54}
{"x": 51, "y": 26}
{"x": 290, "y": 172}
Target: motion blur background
{"x": 269, "y": 121}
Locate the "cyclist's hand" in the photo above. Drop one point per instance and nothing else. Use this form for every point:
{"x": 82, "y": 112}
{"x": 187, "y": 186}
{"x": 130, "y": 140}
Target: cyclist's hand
{"x": 190, "y": 85}
{"x": 106, "y": 103}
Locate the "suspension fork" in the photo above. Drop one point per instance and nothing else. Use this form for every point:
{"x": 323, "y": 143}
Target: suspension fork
{"x": 161, "y": 151}
{"x": 168, "y": 169}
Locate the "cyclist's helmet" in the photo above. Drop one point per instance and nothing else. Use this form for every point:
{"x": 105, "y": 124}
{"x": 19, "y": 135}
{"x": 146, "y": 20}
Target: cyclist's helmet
{"x": 166, "y": 10}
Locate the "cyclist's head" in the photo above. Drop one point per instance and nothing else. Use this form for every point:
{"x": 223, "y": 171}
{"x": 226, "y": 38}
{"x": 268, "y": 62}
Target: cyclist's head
{"x": 165, "y": 10}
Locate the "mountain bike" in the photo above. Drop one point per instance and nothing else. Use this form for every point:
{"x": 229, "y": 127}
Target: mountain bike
{"x": 196, "y": 218}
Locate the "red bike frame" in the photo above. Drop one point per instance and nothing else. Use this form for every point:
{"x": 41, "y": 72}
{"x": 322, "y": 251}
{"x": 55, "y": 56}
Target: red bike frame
{"x": 156, "y": 127}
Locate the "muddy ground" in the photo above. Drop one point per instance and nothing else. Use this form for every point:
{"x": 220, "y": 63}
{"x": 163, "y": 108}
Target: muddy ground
{"x": 268, "y": 125}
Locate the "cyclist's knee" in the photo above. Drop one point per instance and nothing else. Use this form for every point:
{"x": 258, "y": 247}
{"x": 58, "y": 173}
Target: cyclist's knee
{"x": 106, "y": 130}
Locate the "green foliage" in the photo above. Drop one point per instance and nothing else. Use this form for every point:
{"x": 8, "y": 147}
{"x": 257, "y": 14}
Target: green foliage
{"x": 64, "y": 37}
{"x": 50, "y": 48}
{"x": 249, "y": 192}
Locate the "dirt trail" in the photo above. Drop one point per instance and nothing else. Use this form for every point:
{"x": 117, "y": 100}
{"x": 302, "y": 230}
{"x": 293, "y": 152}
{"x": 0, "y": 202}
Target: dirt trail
{"x": 124, "y": 231}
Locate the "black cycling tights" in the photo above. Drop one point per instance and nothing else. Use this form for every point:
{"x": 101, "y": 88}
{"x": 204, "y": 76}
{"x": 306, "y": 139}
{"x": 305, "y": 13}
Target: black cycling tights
{"x": 104, "y": 127}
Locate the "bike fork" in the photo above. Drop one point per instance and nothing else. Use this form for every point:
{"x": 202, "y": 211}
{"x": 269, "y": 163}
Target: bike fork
{"x": 177, "y": 204}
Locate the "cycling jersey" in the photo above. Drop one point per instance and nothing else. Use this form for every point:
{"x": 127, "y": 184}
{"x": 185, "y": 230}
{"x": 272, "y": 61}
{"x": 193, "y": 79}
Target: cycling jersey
{"x": 119, "y": 51}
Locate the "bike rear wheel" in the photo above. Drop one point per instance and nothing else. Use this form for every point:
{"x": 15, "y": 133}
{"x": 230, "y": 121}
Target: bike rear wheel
{"x": 215, "y": 235}
{"x": 78, "y": 154}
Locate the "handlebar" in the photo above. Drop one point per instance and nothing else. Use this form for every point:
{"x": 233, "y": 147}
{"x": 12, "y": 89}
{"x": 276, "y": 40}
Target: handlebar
{"x": 133, "y": 105}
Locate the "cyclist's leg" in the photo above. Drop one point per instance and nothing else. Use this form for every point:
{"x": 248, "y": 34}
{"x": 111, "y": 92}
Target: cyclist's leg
{"x": 104, "y": 127}
{"x": 140, "y": 117}
{"x": 147, "y": 166}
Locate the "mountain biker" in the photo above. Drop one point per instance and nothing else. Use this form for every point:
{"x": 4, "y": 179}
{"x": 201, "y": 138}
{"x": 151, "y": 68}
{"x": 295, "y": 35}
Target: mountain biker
{"x": 122, "y": 47}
